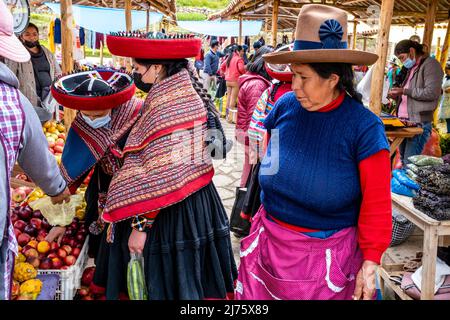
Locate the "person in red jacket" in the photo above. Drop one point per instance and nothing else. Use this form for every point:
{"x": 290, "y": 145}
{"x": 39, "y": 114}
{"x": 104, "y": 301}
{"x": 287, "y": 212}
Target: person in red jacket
{"x": 233, "y": 67}
{"x": 251, "y": 86}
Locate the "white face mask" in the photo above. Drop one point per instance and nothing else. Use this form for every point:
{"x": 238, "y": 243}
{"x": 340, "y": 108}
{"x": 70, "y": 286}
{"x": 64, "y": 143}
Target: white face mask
{"x": 98, "y": 122}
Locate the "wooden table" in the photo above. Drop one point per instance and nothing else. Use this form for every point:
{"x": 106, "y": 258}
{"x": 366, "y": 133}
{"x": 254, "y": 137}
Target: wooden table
{"x": 398, "y": 135}
{"x": 434, "y": 232}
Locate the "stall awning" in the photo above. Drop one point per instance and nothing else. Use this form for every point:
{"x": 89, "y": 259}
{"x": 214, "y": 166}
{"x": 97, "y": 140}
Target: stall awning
{"x": 222, "y": 28}
{"x": 106, "y": 20}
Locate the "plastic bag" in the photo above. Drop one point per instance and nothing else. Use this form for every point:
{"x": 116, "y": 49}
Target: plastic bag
{"x": 401, "y": 176}
{"x": 432, "y": 147}
{"x": 413, "y": 167}
{"x": 411, "y": 174}
{"x": 399, "y": 188}
{"x": 423, "y": 160}
{"x": 58, "y": 214}
{"x": 137, "y": 289}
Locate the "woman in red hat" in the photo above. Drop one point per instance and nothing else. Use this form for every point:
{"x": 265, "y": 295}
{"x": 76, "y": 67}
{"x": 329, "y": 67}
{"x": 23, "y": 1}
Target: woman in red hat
{"x": 161, "y": 203}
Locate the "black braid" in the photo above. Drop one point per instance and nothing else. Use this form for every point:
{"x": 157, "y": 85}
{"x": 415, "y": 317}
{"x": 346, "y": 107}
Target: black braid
{"x": 274, "y": 90}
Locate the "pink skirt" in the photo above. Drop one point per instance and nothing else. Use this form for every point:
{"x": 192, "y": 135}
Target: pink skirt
{"x": 280, "y": 264}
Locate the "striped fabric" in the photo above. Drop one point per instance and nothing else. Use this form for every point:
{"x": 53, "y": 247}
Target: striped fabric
{"x": 165, "y": 159}
{"x": 256, "y": 129}
{"x": 12, "y": 120}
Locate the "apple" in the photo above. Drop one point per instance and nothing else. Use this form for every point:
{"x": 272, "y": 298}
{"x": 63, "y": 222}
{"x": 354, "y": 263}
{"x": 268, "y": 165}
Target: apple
{"x": 31, "y": 253}
{"x": 23, "y": 239}
{"x": 65, "y": 267}
{"x": 34, "y": 261}
{"x": 57, "y": 263}
{"x": 52, "y": 255}
{"x": 76, "y": 252}
{"x": 14, "y": 218}
{"x": 50, "y": 139}
{"x": 60, "y": 142}
{"x": 70, "y": 260}
{"x": 51, "y": 144}
{"x": 36, "y": 222}
{"x": 17, "y": 232}
{"x": 33, "y": 243}
{"x": 61, "y": 253}
{"x": 58, "y": 149}
{"x": 79, "y": 237}
{"x": 79, "y": 245}
{"x": 67, "y": 248}
{"x": 72, "y": 243}
{"x": 42, "y": 234}
{"x": 22, "y": 176}
{"x": 88, "y": 276}
{"x": 37, "y": 214}
{"x": 20, "y": 224}
{"x": 24, "y": 213}
{"x": 42, "y": 256}
{"x": 65, "y": 240}
{"x": 74, "y": 225}
{"x": 54, "y": 246}
{"x": 87, "y": 298}
{"x": 46, "y": 263}
{"x": 43, "y": 247}
{"x": 62, "y": 136}
{"x": 70, "y": 232}
{"x": 45, "y": 225}
{"x": 18, "y": 195}
{"x": 51, "y": 150}
{"x": 31, "y": 230}
{"x": 83, "y": 291}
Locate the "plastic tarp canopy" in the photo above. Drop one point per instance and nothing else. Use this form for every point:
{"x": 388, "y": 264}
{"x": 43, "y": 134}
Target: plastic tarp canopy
{"x": 229, "y": 28}
{"x": 106, "y": 20}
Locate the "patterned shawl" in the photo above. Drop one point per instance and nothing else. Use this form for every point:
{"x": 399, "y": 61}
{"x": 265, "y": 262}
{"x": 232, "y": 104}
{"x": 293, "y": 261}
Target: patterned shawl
{"x": 165, "y": 159}
{"x": 89, "y": 146}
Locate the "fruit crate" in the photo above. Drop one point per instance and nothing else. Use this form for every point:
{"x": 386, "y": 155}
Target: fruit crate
{"x": 70, "y": 279}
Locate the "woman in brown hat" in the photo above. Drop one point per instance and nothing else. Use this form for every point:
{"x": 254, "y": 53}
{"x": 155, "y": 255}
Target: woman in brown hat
{"x": 325, "y": 218}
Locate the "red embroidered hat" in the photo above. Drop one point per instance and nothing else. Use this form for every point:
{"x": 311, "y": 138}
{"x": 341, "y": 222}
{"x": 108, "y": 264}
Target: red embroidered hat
{"x": 281, "y": 72}
{"x": 153, "y": 45}
{"x": 98, "y": 89}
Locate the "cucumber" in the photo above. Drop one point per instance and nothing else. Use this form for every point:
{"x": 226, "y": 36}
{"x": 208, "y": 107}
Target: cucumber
{"x": 137, "y": 289}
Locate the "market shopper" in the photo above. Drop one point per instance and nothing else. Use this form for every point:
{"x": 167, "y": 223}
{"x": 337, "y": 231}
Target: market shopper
{"x": 108, "y": 111}
{"x": 161, "y": 204}
{"x": 21, "y": 140}
{"x": 211, "y": 66}
{"x": 37, "y": 74}
{"x": 325, "y": 218}
{"x": 419, "y": 93}
{"x": 233, "y": 67}
{"x": 444, "y": 107}
{"x": 251, "y": 86}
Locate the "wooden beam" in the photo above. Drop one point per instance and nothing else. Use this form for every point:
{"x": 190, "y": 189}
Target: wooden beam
{"x": 438, "y": 49}
{"x": 240, "y": 31}
{"x": 147, "y": 24}
{"x": 444, "y": 51}
{"x": 365, "y": 44}
{"x": 276, "y": 4}
{"x": 129, "y": 26}
{"x": 114, "y": 3}
{"x": 429, "y": 24}
{"x": 355, "y": 35}
{"x": 101, "y": 53}
{"x": 67, "y": 51}
{"x": 376, "y": 92}
{"x": 262, "y": 16}
{"x": 266, "y": 20}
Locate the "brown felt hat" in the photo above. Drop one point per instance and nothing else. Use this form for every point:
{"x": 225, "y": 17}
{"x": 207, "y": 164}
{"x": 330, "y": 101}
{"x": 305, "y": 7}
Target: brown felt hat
{"x": 321, "y": 37}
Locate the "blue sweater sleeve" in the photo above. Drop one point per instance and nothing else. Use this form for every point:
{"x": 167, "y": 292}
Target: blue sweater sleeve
{"x": 207, "y": 64}
{"x": 371, "y": 137}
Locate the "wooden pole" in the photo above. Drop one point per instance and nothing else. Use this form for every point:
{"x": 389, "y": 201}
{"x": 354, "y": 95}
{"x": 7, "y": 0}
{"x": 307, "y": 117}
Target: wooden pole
{"x": 101, "y": 53}
{"x": 276, "y": 6}
{"x": 376, "y": 92}
{"x": 128, "y": 23}
{"x": 355, "y": 36}
{"x": 266, "y": 23}
{"x": 438, "y": 49}
{"x": 114, "y": 58}
{"x": 147, "y": 26}
{"x": 429, "y": 24}
{"x": 365, "y": 44}
{"x": 444, "y": 51}
{"x": 240, "y": 31}
{"x": 67, "y": 51}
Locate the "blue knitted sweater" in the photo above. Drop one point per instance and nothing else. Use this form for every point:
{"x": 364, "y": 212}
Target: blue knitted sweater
{"x": 309, "y": 176}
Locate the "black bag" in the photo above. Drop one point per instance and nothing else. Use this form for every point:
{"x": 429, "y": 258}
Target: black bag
{"x": 252, "y": 201}
{"x": 239, "y": 225}
{"x": 221, "y": 87}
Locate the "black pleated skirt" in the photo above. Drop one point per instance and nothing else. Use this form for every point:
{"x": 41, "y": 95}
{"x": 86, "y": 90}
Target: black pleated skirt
{"x": 187, "y": 255}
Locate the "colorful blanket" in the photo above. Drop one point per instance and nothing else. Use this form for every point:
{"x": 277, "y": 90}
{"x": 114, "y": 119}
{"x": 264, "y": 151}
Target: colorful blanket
{"x": 165, "y": 159}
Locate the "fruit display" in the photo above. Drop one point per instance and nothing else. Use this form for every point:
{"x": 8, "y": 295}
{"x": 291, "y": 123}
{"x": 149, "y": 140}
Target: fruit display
{"x": 86, "y": 291}
{"x": 18, "y": 195}
{"x": 25, "y": 286}
{"x": 30, "y": 289}
{"x": 35, "y": 195}
{"x": 56, "y": 137}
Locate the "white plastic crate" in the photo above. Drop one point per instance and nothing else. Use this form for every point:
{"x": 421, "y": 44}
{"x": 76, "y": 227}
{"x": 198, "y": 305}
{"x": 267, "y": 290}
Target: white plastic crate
{"x": 70, "y": 279}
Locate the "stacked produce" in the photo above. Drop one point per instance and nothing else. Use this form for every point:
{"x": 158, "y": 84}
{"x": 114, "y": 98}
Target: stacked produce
{"x": 56, "y": 138}
{"x": 25, "y": 285}
{"x": 86, "y": 291}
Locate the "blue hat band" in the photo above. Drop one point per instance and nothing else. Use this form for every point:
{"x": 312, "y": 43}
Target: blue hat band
{"x": 312, "y": 45}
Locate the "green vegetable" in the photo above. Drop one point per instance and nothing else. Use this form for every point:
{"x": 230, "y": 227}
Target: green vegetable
{"x": 137, "y": 289}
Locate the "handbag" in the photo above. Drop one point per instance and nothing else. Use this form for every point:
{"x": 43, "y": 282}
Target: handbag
{"x": 239, "y": 225}
{"x": 252, "y": 201}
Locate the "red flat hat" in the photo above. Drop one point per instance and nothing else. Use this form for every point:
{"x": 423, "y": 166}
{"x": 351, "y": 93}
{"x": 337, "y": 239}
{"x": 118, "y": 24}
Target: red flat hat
{"x": 153, "y": 45}
{"x": 281, "y": 72}
{"x": 99, "y": 89}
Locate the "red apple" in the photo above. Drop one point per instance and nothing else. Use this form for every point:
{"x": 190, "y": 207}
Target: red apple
{"x": 51, "y": 144}
{"x": 76, "y": 252}
{"x": 60, "y": 142}
{"x": 58, "y": 149}
{"x": 23, "y": 239}
{"x": 41, "y": 235}
{"x": 72, "y": 243}
{"x": 67, "y": 248}
{"x": 30, "y": 229}
{"x": 14, "y": 218}
{"x": 24, "y": 213}
{"x": 65, "y": 267}
{"x": 20, "y": 224}
{"x": 45, "y": 225}
{"x": 62, "y": 136}
{"x": 79, "y": 237}
{"x": 42, "y": 256}
{"x": 18, "y": 195}
{"x": 87, "y": 298}
{"x": 37, "y": 214}
{"x": 79, "y": 245}
{"x": 87, "y": 276}
{"x": 34, "y": 261}
{"x": 51, "y": 150}
{"x": 61, "y": 253}
{"x": 36, "y": 222}
{"x": 74, "y": 225}
{"x": 46, "y": 263}
{"x": 17, "y": 232}
{"x": 83, "y": 291}
{"x": 57, "y": 263}
{"x": 52, "y": 255}
{"x": 54, "y": 246}
{"x": 70, "y": 260}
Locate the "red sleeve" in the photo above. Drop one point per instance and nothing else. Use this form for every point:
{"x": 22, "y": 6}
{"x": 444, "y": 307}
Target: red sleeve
{"x": 241, "y": 66}
{"x": 375, "y": 218}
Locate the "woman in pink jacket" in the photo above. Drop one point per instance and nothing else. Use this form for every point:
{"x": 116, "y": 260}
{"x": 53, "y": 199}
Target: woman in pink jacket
{"x": 251, "y": 87}
{"x": 233, "y": 67}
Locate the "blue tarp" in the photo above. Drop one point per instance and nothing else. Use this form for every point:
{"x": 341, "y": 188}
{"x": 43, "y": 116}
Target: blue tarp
{"x": 227, "y": 28}
{"x": 106, "y": 20}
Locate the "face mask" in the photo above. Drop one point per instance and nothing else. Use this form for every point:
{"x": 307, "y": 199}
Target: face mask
{"x": 140, "y": 84}
{"x": 409, "y": 63}
{"x": 98, "y": 122}
{"x": 31, "y": 44}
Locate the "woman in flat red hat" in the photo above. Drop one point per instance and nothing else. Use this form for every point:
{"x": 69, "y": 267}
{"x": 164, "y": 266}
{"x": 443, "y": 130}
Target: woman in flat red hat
{"x": 162, "y": 202}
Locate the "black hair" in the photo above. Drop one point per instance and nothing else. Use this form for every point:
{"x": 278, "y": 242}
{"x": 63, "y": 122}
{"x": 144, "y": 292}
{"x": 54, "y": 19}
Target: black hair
{"x": 234, "y": 49}
{"x": 404, "y": 46}
{"x": 257, "y": 45}
{"x": 32, "y": 25}
{"x": 214, "y": 43}
{"x": 345, "y": 73}
{"x": 257, "y": 64}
